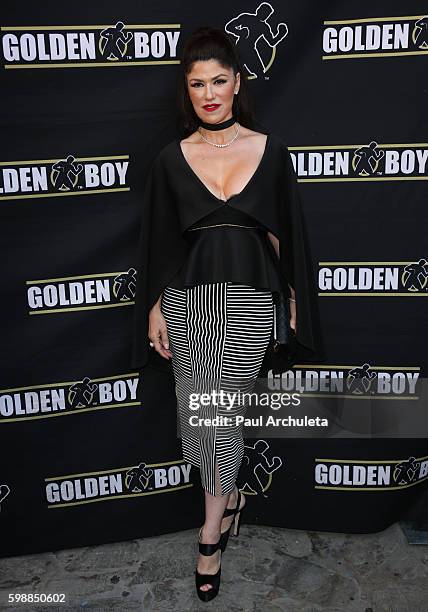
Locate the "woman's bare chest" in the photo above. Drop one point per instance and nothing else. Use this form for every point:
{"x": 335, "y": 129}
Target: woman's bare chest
{"x": 224, "y": 172}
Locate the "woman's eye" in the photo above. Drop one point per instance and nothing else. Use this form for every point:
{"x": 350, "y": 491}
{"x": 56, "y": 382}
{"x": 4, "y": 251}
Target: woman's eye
{"x": 221, "y": 81}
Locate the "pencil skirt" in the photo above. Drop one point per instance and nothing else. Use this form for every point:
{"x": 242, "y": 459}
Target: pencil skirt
{"x": 218, "y": 335}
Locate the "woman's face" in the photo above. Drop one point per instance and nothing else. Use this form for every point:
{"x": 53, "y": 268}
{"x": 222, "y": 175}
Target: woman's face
{"x": 211, "y": 90}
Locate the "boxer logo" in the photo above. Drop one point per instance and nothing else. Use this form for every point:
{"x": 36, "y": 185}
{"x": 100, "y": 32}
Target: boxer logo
{"x": 125, "y": 285}
{"x": 257, "y": 468}
{"x": 113, "y": 42}
{"x": 359, "y": 380}
{"x": 82, "y": 394}
{"x": 366, "y": 159}
{"x": 64, "y": 174}
{"x": 420, "y": 33}
{"x": 415, "y": 276}
{"x": 139, "y": 478}
{"x": 406, "y": 472}
{"x": 250, "y": 31}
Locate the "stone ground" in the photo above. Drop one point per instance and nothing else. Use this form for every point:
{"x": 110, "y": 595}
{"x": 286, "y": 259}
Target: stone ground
{"x": 264, "y": 569}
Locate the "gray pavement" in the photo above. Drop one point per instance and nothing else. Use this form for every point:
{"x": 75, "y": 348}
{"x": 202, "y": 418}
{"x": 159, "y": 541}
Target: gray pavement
{"x": 264, "y": 569}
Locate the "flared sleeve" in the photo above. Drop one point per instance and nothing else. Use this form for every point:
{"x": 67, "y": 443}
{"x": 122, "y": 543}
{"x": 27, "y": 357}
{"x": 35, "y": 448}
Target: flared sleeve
{"x": 296, "y": 265}
{"x": 161, "y": 252}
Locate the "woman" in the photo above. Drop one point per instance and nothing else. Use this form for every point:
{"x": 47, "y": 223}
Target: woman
{"x": 222, "y": 230}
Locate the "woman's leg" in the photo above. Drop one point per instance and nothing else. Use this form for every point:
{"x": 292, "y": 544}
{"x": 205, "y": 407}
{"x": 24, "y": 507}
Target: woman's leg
{"x": 214, "y": 508}
{"x": 218, "y": 335}
{"x": 244, "y": 327}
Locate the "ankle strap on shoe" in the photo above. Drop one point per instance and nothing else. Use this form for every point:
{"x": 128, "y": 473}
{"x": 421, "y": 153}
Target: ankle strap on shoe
{"x": 230, "y": 511}
{"x": 208, "y": 549}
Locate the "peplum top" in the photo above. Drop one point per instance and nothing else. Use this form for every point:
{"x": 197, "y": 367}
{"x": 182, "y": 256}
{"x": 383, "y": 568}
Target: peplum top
{"x": 228, "y": 245}
{"x": 176, "y": 247}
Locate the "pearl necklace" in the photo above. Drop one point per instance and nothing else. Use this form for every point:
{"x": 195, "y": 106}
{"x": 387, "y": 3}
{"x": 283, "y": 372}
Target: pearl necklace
{"x": 220, "y": 145}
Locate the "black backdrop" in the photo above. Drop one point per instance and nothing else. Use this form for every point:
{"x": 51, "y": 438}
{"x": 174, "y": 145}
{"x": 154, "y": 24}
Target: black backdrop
{"x": 69, "y": 235}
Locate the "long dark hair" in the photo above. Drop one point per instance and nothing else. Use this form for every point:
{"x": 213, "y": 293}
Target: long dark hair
{"x": 207, "y": 43}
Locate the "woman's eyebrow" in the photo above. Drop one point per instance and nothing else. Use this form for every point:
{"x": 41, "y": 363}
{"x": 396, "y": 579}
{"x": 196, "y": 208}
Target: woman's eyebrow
{"x": 213, "y": 78}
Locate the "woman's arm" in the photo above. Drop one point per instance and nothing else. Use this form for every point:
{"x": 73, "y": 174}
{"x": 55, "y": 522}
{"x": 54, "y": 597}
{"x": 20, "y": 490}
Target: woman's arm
{"x": 293, "y": 321}
{"x": 158, "y": 332}
{"x": 274, "y": 240}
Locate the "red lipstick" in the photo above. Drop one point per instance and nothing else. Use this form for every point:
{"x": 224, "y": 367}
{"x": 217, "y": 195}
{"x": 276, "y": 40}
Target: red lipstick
{"x": 210, "y": 107}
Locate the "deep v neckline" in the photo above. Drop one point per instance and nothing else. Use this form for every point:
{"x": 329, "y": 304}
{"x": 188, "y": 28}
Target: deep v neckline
{"x": 235, "y": 195}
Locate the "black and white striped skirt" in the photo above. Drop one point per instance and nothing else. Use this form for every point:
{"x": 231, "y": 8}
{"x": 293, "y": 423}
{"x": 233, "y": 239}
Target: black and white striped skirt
{"x": 218, "y": 334}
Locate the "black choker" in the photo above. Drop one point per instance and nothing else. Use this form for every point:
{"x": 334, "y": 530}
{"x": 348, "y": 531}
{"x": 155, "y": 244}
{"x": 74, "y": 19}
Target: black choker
{"x": 218, "y": 126}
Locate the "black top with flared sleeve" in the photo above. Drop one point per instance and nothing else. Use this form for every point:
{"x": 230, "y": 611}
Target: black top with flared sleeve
{"x": 228, "y": 245}
{"x": 175, "y": 247}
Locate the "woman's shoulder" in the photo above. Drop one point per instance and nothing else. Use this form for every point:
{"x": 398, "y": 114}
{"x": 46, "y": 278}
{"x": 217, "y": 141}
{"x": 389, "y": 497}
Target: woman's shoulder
{"x": 276, "y": 141}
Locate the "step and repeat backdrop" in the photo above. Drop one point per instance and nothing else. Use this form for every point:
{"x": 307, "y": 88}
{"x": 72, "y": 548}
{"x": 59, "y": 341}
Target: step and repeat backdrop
{"x": 89, "y": 450}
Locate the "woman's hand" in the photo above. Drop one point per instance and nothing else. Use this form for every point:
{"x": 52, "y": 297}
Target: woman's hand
{"x": 293, "y": 316}
{"x": 158, "y": 332}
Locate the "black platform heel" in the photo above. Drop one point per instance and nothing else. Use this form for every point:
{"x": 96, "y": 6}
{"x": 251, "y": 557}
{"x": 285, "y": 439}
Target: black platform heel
{"x": 237, "y": 513}
{"x": 211, "y": 579}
